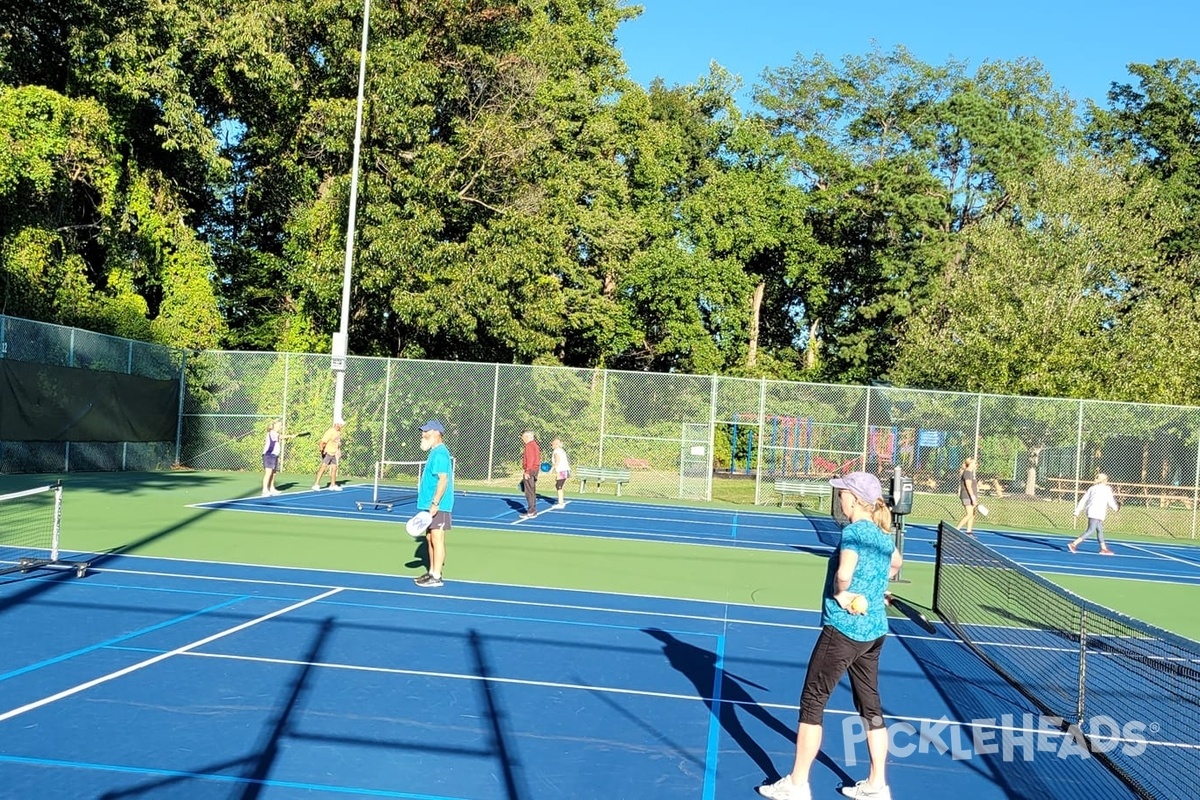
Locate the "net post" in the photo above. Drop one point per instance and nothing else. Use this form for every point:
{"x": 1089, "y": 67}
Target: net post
{"x": 1080, "y": 702}
{"x": 57, "y": 527}
{"x": 937, "y": 569}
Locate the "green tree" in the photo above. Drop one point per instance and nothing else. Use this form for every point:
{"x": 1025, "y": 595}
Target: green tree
{"x": 1157, "y": 124}
{"x": 1033, "y": 307}
{"x": 100, "y": 100}
{"x": 899, "y": 157}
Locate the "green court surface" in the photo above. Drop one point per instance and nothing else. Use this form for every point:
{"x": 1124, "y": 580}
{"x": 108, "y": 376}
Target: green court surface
{"x": 151, "y": 514}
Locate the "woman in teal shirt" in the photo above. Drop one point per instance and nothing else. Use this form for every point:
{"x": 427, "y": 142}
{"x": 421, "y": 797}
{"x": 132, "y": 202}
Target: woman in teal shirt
{"x": 853, "y": 626}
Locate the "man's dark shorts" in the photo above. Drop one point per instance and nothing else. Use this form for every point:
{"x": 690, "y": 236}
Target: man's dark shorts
{"x": 270, "y": 461}
{"x": 440, "y": 520}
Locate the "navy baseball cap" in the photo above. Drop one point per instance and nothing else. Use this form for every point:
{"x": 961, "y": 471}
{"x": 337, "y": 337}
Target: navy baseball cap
{"x": 433, "y": 425}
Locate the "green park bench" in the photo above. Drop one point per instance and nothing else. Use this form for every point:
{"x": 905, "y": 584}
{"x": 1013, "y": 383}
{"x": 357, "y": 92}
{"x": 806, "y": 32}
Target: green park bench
{"x": 599, "y": 476}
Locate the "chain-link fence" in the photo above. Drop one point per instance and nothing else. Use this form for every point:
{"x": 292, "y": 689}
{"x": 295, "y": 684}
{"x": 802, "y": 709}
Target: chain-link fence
{"x": 55, "y": 345}
{"x": 672, "y": 436}
{"x": 706, "y": 438}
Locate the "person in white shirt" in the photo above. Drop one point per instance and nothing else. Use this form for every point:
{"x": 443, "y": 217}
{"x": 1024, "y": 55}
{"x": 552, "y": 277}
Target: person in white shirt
{"x": 1096, "y": 502}
{"x": 560, "y": 465}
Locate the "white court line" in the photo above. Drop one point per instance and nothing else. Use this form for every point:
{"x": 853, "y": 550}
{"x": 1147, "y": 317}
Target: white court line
{"x": 981, "y": 724}
{"x": 160, "y": 657}
{"x": 495, "y": 600}
{"x": 1157, "y": 554}
{"x": 798, "y": 626}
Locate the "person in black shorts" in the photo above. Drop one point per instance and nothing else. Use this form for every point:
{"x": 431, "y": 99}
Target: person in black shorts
{"x": 853, "y": 627}
{"x": 968, "y": 493}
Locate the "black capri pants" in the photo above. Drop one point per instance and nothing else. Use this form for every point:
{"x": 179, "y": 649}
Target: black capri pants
{"x": 834, "y": 655}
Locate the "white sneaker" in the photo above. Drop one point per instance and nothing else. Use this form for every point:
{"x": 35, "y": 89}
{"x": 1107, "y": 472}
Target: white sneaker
{"x": 559, "y": 505}
{"x": 274, "y": 491}
{"x": 316, "y": 487}
{"x": 784, "y": 789}
{"x": 861, "y": 791}
{"x": 333, "y": 487}
{"x": 265, "y": 494}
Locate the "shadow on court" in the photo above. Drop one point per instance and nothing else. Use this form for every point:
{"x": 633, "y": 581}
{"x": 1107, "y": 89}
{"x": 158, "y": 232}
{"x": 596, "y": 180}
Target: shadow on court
{"x": 721, "y": 688}
{"x": 972, "y": 691}
{"x": 47, "y": 583}
{"x": 257, "y": 767}
{"x": 509, "y": 766}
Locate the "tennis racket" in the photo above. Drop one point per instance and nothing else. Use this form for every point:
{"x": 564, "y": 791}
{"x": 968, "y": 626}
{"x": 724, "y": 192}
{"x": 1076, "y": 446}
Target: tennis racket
{"x": 908, "y": 610}
{"x": 298, "y": 435}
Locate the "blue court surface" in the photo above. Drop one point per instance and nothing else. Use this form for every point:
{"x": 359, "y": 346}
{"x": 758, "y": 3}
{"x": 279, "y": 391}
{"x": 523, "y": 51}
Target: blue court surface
{"x": 723, "y": 527}
{"x": 161, "y": 678}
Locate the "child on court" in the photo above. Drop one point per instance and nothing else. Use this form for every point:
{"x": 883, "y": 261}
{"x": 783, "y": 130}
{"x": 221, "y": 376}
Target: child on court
{"x": 853, "y": 626}
{"x": 560, "y": 465}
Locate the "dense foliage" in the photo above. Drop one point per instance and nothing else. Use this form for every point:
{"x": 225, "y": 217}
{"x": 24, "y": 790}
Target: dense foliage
{"x": 181, "y": 172}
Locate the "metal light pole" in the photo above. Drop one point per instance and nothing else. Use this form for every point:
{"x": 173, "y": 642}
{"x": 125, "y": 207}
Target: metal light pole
{"x": 338, "y": 361}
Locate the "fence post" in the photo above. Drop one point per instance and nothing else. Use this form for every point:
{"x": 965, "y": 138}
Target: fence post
{"x": 287, "y": 372}
{"x": 128, "y": 371}
{"x": 1078, "y": 450}
{"x": 866, "y": 437}
{"x": 182, "y": 392}
{"x": 387, "y": 399}
{"x": 762, "y": 411}
{"x": 1196, "y": 486}
{"x": 712, "y": 436}
{"x": 70, "y": 363}
{"x": 492, "y": 433}
{"x": 603, "y": 412}
{"x": 978, "y": 416}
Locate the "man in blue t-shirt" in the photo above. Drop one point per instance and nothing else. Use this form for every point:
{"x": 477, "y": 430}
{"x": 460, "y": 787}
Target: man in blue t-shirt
{"x": 435, "y": 494}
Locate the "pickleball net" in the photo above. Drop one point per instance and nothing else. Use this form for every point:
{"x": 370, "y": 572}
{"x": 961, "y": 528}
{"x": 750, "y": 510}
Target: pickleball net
{"x": 1127, "y": 690}
{"x": 395, "y": 483}
{"x": 30, "y": 530}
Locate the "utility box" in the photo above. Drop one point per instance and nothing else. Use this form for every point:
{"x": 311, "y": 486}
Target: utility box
{"x": 898, "y": 493}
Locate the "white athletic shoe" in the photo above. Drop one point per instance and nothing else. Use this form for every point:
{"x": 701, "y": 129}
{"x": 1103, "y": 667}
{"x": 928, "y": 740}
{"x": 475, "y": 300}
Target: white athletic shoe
{"x": 784, "y": 789}
{"x": 333, "y": 487}
{"x": 863, "y": 792}
{"x": 316, "y": 487}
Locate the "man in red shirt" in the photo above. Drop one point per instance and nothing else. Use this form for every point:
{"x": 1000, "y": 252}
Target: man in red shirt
{"x": 531, "y": 464}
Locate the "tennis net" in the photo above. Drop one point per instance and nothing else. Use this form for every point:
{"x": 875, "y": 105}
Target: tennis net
{"x": 30, "y": 521}
{"x": 395, "y": 483}
{"x": 1128, "y": 691}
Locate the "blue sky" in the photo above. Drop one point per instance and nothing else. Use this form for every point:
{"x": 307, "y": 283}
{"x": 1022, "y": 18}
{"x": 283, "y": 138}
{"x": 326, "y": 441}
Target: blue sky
{"x": 1085, "y": 46}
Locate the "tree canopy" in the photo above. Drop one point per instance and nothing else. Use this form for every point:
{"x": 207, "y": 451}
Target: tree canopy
{"x": 181, "y": 172}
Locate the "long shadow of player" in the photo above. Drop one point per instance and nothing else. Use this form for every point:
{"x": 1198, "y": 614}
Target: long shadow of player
{"x": 724, "y": 693}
